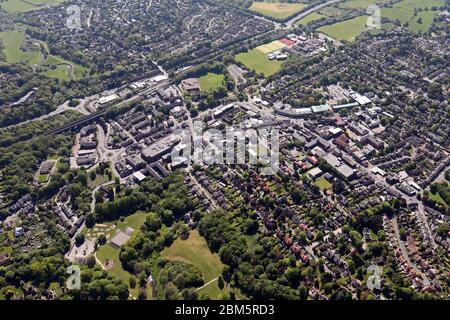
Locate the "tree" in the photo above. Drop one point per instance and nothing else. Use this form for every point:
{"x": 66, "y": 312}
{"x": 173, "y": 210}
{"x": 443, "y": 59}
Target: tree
{"x": 79, "y": 239}
{"x": 152, "y": 222}
{"x": 101, "y": 239}
{"x": 132, "y": 282}
{"x": 250, "y": 226}
{"x": 221, "y": 282}
{"x": 90, "y": 261}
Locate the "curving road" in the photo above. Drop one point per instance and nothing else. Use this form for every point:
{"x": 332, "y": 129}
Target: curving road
{"x": 309, "y": 11}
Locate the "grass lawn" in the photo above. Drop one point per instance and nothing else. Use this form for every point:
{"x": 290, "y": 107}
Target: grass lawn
{"x": 323, "y": 183}
{"x": 63, "y": 71}
{"x": 211, "y": 81}
{"x": 404, "y": 10}
{"x": 99, "y": 179}
{"x": 7, "y": 250}
{"x": 252, "y": 241}
{"x": 427, "y": 20}
{"x": 258, "y": 61}
{"x": 332, "y": 11}
{"x": 437, "y": 198}
{"x": 43, "y": 178}
{"x": 134, "y": 221}
{"x": 357, "y": 4}
{"x": 12, "y": 42}
{"x": 106, "y": 252}
{"x": 346, "y": 30}
{"x": 194, "y": 250}
{"x": 13, "y": 6}
{"x": 309, "y": 18}
{"x": 277, "y": 10}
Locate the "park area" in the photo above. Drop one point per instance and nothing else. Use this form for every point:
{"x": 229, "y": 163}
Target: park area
{"x": 194, "y": 250}
{"x": 63, "y": 69}
{"x": 211, "y": 81}
{"x": 108, "y": 255}
{"x": 18, "y": 49}
{"x": 13, "y": 41}
{"x": 277, "y": 10}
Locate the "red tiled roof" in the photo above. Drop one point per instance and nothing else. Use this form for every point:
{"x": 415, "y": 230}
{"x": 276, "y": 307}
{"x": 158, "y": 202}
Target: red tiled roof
{"x": 287, "y": 41}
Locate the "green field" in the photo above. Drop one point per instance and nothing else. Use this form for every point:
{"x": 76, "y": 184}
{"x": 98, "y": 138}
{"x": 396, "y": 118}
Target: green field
{"x": 404, "y": 10}
{"x": 332, "y": 11}
{"x": 13, "y": 6}
{"x": 107, "y": 252}
{"x": 63, "y": 71}
{"x": 357, "y": 4}
{"x": 437, "y": 198}
{"x": 258, "y": 61}
{"x": 277, "y": 10}
{"x": 211, "y": 81}
{"x": 194, "y": 250}
{"x": 43, "y": 178}
{"x": 323, "y": 183}
{"x": 346, "y": 30}
{"x": 427, "y": 20}
{"x": 12, "y": 42}
{"x": 309, "y": 18}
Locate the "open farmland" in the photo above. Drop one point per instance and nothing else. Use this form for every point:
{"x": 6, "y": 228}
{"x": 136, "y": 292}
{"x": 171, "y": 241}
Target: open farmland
{"x": 14, "y": 6}
{"x": 346, "y": 30}
{"x": 404, "y": 10}
{"x": 277, "y": 10}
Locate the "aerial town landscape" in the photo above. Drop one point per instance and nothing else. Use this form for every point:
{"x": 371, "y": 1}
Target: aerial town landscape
{"x": 224, "y": 150}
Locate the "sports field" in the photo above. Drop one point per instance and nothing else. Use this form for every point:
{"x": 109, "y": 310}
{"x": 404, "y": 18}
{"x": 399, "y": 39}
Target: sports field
{"x": 271, "y": 47}
{"x": 277, "y": 10}
{"x": 256, "y": 60}
{"x": 346, "y": 30}
{"x": 12, "y": 42}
